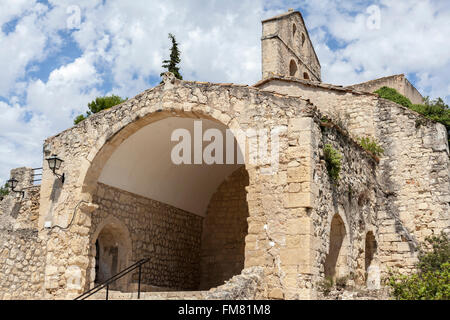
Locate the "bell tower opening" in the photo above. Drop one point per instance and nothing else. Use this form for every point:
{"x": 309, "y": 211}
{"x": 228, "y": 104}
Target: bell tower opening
{"x": 293, "y": 68}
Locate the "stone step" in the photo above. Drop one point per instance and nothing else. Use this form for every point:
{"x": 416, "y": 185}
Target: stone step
{"x": 168, "y": 295}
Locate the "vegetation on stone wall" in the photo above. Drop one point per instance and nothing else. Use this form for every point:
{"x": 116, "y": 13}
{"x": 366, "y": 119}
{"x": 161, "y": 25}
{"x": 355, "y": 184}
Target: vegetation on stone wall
{"x": 325, "y": 286}
{"x": 333, "y": 161}
{"x": 99, "y": 104}
{"x": 370, "y": 144}
{"x": 432, "y": 279}
{"x": 435, "y": 110}
{"x": 172, "y": 64}
{"x": 394, "y": 95}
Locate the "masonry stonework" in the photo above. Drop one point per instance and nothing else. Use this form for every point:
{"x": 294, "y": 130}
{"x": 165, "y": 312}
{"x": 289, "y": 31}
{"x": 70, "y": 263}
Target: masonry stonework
{"x": 224, "y": 230}
{"x": 170, "y": 237}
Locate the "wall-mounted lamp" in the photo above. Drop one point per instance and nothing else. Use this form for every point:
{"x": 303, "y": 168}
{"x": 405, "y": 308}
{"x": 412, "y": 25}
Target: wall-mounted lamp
{"x": 55, "y": 163}
{"x": 12, "y": 183}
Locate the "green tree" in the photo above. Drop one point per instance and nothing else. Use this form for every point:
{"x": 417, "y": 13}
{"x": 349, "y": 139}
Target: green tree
{"x": 172, "y": 64}
{"x": 432, "y": 279}
{"x": 4, "y": 191}
{"x": 99, "y": 104}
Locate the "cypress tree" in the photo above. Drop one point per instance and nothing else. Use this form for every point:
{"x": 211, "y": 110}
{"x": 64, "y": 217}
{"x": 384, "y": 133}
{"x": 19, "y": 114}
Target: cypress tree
{"x": 172, "y": 64}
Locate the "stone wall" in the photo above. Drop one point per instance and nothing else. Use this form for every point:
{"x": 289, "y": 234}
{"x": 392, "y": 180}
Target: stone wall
{"x": 22, "y": 251}
{"x": 413, "y": 171}
{"x": 170, "y": 237}
{"x": 224, "y": 230}
{"x": 22, "y": 264}
{"x": 415, "y": 176}
{"x": 355, "y": 198}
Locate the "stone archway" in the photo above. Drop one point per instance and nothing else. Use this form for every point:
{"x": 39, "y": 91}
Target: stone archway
{"x": 111, "y": 252}
{"x": 168, "y": 228}
{"x": 336, "y": 260}
{"x": 232, "y": 106}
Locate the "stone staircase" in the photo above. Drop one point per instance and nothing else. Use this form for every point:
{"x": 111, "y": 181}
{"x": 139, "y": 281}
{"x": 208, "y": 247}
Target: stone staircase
{"x": 244, "y": 286}
{"x": 356, "y": 294}
{"x": 168, "y": 295}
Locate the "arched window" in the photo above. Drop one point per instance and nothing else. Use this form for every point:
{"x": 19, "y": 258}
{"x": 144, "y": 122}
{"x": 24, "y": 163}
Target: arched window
{"x": 292, "y": 68}
{"x": 294, "y": 30}
{"x": 371, "y": 248}
{"x": 305, "y": 75}
{"x": 303, "y": 39}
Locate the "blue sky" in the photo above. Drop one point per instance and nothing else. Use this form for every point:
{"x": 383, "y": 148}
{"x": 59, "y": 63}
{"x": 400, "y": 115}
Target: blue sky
{"x": 56, "y": 56}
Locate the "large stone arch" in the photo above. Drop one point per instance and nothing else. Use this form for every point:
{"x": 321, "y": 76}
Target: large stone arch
{"x": 115, "y": 138}
{"x": 110, "y": 140}
{"x": 232, "y": 106}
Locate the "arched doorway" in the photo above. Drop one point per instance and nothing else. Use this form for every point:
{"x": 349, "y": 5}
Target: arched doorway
{"x": 111, "y": 252}
{"x": 336, "y": 260}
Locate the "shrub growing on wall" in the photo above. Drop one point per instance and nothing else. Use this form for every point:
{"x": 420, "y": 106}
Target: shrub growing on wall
{"x": 393, "y": 95}
{"x": 435, "y": 110}
{"x": 333, "y": 161}
{"x": 371, "y": 145}
{"x": 432, "y": 280}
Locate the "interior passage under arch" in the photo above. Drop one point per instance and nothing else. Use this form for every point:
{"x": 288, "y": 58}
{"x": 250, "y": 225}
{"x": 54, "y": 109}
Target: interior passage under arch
{"x": 190, "y": 219}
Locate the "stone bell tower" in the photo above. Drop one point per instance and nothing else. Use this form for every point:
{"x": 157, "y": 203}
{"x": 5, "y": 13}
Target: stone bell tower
{"x": 287, "y": 49}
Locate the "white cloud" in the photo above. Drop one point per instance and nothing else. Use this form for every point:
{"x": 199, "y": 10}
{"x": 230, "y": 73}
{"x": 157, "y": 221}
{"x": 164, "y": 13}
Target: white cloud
{"x": 20, "y": 47}
{"x": 412, "y": 39}
{"x": 13, "y": 9}
{"x": 66, "y": 93}
{"x": 20, "y": 140}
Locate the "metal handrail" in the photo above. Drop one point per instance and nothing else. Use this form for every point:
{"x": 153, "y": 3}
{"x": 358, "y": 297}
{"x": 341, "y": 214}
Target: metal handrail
{"x": 114, "y": 278}
{"x": 35, "y": 175}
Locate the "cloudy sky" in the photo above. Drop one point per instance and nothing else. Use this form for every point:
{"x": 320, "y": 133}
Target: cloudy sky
{"x": 57, "y": 55}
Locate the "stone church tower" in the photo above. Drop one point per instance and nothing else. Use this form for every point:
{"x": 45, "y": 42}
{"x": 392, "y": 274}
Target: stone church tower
{"x": 287, "y": 49}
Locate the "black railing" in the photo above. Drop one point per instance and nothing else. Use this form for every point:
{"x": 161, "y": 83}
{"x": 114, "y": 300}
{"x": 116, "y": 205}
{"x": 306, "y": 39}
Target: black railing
{"x": 118, "y": 276}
